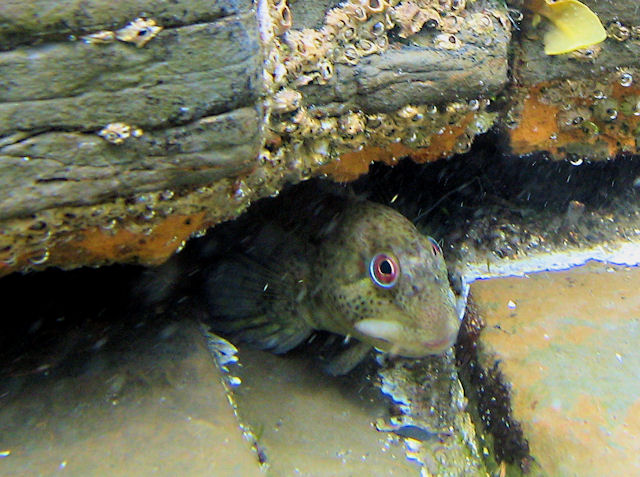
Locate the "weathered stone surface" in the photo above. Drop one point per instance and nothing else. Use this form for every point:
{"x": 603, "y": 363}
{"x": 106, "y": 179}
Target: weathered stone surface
{"x": 224, "y": 104}
{"x": 412, "y": 74}
{"x": 24, "y": 22}
{"x": 566, "y": 344}
{"x": 55, "y": 169}
{"x": 143, "y": 87}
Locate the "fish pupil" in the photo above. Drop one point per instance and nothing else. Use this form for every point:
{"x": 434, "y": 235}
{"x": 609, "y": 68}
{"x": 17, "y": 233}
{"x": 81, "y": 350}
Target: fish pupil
{"x": 385, "y": 267}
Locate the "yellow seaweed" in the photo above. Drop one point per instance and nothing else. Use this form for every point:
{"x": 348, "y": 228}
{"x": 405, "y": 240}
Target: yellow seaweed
{"x": 573, "y": 25}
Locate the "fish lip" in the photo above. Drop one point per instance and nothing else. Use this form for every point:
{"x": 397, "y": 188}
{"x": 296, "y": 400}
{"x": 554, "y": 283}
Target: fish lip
{"x": 426, "y": 348}
{"x": 388, "y": 334}
{"x": 441, "y": 344}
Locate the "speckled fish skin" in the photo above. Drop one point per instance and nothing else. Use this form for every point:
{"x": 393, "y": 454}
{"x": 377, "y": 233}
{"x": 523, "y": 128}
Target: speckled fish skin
{"x": 421, "y": 302}
{"x": 307, "y": 266}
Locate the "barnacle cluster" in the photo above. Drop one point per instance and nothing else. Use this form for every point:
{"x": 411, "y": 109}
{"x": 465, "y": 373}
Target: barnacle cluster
{"x": 442, "y": 17}
{"x": 619, "y": 31}
{"x": 305, "y": 136}
{"x": 594, "y": 119}
{"x": 146, "y": 227}
{"x": 355, "y": 30}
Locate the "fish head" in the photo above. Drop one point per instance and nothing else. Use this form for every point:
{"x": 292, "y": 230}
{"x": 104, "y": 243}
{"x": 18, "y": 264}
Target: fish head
{"x": 391, "y": 286}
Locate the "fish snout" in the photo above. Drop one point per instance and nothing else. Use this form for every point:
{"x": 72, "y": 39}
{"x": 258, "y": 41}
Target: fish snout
{"x": 408, "y": 342}
{"x": 444, "y": 332}
{"x": 440, "y": 345}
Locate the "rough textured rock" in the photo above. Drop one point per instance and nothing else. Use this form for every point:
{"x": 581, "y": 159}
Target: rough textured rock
{"x": 116, "y": 127}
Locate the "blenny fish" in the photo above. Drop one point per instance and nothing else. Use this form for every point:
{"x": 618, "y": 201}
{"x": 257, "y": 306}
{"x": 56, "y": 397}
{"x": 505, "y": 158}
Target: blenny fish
{"x": 334, "y": 262}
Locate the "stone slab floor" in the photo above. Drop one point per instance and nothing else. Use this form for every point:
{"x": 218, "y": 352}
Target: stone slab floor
{"x": 569, "y": 344}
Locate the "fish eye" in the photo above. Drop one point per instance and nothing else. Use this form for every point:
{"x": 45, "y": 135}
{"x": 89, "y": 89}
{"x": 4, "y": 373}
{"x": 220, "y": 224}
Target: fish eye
{"x": 435, "y": 248}
{"x": 384, "y": 270}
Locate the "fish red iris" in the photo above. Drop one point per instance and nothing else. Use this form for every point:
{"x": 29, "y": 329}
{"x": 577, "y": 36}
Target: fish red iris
{"x": 384, "y": 270}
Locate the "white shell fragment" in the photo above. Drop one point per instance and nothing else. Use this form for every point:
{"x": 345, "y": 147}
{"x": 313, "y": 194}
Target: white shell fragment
{"x": 101, "y": 37}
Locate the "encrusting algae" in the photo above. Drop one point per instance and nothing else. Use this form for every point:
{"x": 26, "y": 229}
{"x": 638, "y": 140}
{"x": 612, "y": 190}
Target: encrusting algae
{"x": 573, "y": 25}
{"x": 338, "y": 264}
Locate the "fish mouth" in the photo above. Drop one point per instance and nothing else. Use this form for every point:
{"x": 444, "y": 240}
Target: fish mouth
{"x": 441, "y": 345}
{"x": 396, "y": 339}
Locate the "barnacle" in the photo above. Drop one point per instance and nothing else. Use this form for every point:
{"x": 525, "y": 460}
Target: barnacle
{"x": 303, "y": 80}
{"x": 606, "y": 110}
{"x": 286, "y": 100}
{"x": 336, "y": 19}
{"x": 366, "y": 47}
{"x": 117, "y": 133}
{"x": 411, "y": 18}
{"x": 447, "y": 41}
{"x": 618, "y": 31}
{"x": 306, "y": 124}
{"x": 279, "y": 73}
{"x": 451, "y": 24}
{"x": 139, "y": 32}
{"x": 375, "y": 121}
{"x": 297, "y": 42}
{"x": 374, "y": 6}
{"x": 322, "y": 148}
{"x": 350, "y": 55}
{"x": 382, "y": 42}
{"x": 410, "y": 112}
{"x": 328, "y": 126}
{"x": 325, "y": 69}
{"x": 264, "y": 157}
{"x": 456, "y": 107}
{"x": 283, "y": 18}
{"x": 348, "y": 33}
{"x": 480, "y": 23}
{"x": 572, "y": 118}
{"x": 631, "y": 105}
{"x": 589, "y": 53}
{"x": 352, "y": 124}
{"x": 356, "y": 11}
{"x": 458, "y": 5}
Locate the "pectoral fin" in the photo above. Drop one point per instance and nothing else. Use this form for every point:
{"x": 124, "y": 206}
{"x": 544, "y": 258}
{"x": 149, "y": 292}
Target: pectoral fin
{"x": 348, "y": 359}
